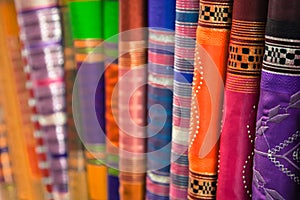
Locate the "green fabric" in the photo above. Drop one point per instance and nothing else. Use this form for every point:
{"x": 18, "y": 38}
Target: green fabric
{"x": 114, "y": 172}
{"x": 68, "y": 40}
{"x": 86, "y": 19}
{"x": 111, "y": 19}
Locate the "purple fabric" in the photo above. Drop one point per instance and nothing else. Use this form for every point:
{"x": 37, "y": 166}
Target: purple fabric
{"x": 113, "y": 185}
{"x": 276, "y": 161}
{"x": 91, "y": 98}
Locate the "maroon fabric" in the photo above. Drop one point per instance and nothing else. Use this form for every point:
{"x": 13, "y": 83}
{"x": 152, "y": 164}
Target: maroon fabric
{"x": 241, "y": 97}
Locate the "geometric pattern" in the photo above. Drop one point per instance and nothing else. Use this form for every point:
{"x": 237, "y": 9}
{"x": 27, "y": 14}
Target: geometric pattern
{"x": 205, "y": 188}
{"x": 202, "y": 186}
{"x": 281, "y": 55}
{"x": 215, "y": 15}
{"x": 245, "y": 57}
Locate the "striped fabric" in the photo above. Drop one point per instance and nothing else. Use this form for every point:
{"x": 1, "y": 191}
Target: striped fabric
{"x": 185, "y": 36}
{"x": 246, "y": 51}
{"x": 76, "y": 167}
{"x": 87, "y": 35}
{"x": 161, "y": 16}
{"x": 111, "y": 24}
{"x": 132, "y": 99}
{"x": 44, "y": 53}
{"x": 207, "y": 98}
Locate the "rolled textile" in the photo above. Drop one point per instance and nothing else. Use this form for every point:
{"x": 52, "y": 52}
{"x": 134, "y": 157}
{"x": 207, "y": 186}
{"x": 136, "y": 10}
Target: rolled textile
{"x": 76, "y": 161}
{"x": 246, "y": 51}
{"x": 276, "y": 168}
{"x": 111, "y": 29}
{"x": 132, "y": 98}
{"x": 161, "y": 22}
{"x": 207, "y": 96}
{"x": 187, "y": 12}
{"x": 87, "y": 32}
{"x": 41, "y": 34}
{"x": 17, "y": 113}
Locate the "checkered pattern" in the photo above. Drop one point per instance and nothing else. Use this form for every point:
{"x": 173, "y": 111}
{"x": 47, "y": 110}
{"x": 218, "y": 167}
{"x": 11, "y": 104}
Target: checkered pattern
{"x": 206, "y": 187}
{"x": 215, "y": 13}
{"x": 245, "y": 57}
{"x": 283, "y": 56}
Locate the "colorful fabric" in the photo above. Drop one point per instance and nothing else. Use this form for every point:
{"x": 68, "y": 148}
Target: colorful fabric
{"x": 185, "y": 39}
{"x": 76, "y": 164}
{"x": 276, "y": 154}
{"x": 111, "y": 24}
{"x": 132, "y": 99}
{"x": 44, "y": 54}
{"x": 15, "y": 96}
{"x": 161, "y": 18}
{"x": 246, "y": 51}
{"x": 207, "y": 96}
{"x": 87, "y": 32}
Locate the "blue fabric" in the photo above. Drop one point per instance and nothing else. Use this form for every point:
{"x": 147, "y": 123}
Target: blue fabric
{"x": 186, "y": 17}
{"x": 113, "y": 185}
{"x": 158, "y": 10}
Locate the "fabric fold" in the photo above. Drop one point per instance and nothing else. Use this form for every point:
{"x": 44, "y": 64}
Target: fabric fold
{"x": 246, "y": 51}
{"x": 207, "y": 96}
{"x": 276, "y": 168}
{"x": 161, "y": 21}
{"x": 132, "y": 106}
{"x": 187, "y": 12}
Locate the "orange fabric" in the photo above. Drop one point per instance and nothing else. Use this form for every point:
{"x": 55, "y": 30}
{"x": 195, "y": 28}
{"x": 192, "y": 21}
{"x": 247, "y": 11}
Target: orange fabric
{"x": 214, "y": 46}
{"x": 17, "y": 111}
{"x": 207, "y": 96}
{"x": 131, "y": 190}
{"x": 97, "y": 179}
{"x": 111, "y": 107}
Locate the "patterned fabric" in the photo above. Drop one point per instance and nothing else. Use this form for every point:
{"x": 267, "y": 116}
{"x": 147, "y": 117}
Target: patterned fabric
{"x": 44, "y": 54}
{"x": 76, "y": 168}
{"x": 87, "y": 35}
{"x": 276, "y": 155}
{"x": 111, "y": 24}
{"x": 161, "y": 17}
{"x": 185, "y": 36}
{"x": 207, "y": 97}
{"x": 132, "y": 99}
{"x": 246, "y": 50}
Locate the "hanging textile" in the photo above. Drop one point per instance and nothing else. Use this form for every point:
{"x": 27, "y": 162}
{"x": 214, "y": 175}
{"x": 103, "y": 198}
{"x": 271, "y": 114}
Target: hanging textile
{"x": 42, "y": 37}
{"x": 207, "y": 97}
{"x": 17, "y": 113}
{"x": 76, "y": 166}
{"x": 111, "y": 24}
{"x": 132, "y": 99}
{"x": 87, "y": 35}
{"x": 185, "y": 36}
{"x": 276, "y": 155}
{"x": 161, "y": 18}
{"x": 246, "y": 51}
